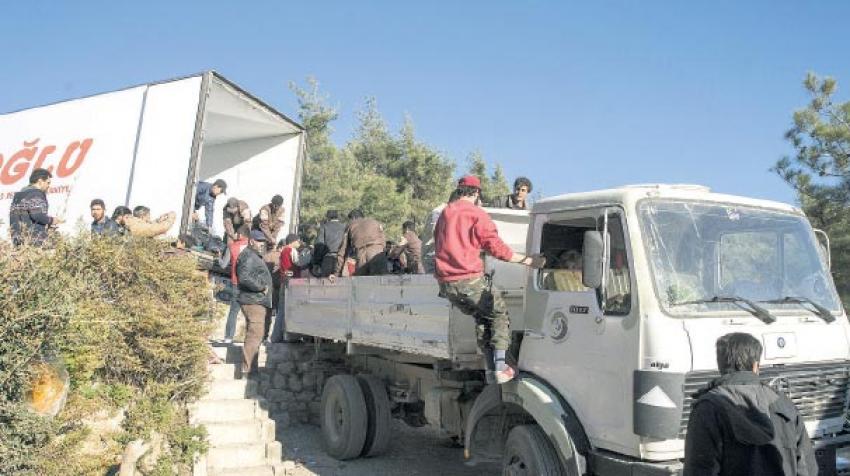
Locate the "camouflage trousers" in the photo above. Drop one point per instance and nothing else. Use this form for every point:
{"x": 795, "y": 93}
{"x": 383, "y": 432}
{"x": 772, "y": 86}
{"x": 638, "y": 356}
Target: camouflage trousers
{"x": 475, "y": 298}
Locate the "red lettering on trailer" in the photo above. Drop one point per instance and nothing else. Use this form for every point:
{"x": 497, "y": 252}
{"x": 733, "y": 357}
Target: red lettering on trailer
{"x": 21, "y": 162}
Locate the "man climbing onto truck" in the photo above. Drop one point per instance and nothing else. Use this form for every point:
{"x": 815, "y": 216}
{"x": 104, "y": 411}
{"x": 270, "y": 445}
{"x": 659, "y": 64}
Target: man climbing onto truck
{"x": 462, "y": 232}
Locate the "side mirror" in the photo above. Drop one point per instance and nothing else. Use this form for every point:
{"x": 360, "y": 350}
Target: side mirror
{"x": 593, "y": 258}
{"x": 823, "y": 241}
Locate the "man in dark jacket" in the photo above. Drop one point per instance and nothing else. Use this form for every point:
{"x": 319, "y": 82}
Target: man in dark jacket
{"x": 255, "y": 296}
{"x": 205, "y": 195}
{"x": 327, "y": 243}
{"x": 101, "y": 224}
{"x": 739, "y": 426}
{"x": 517, "y": 200}
{"x": 411, "y": 247}
{"x": 365, "y": 238}
{"x": 28, "y": 218}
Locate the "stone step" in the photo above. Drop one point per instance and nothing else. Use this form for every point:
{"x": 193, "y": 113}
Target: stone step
{"x": 229, "y": 353}
{"x": 265, "y": 470}
{"x": 217, "y": 411}
{"x": 243, "y": 455}
{"x": 222, "y": 371}
{"x": 231, "y": 389}
{"x": 246, "y": 431}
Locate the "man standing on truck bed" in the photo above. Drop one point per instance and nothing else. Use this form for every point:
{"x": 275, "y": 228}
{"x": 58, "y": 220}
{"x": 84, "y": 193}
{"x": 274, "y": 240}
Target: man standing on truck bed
{"x": 517, "y": 200}
{"x": 462, "y": 232}
{"x": 739, "y": 425}
{"x": 366, "y": 237}
{"x": 270, "y": 219}
{"x": 205, "y": 196}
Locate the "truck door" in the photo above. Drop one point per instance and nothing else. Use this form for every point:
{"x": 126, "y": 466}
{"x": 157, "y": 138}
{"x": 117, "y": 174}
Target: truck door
{"x": 584, "y": 341}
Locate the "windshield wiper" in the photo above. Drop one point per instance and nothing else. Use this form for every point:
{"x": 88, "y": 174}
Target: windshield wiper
{"x": 818, "y": 310}
{"x": 763, "y": 314}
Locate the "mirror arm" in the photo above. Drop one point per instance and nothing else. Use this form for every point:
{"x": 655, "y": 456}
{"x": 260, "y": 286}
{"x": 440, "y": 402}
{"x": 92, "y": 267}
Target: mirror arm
{"x": 821, "y": 233}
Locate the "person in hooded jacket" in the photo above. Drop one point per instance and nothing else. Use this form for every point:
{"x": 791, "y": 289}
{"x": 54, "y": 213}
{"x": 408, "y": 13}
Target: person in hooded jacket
{"x": 740, "y": 426}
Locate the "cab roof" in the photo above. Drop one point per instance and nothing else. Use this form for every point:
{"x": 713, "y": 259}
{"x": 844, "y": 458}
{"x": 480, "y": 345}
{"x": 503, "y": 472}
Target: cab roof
{"x": 629, "y": 195}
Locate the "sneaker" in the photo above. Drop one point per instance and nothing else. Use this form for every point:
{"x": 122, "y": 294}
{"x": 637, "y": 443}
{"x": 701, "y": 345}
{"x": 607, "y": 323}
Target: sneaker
{"x": 505, "y": 375}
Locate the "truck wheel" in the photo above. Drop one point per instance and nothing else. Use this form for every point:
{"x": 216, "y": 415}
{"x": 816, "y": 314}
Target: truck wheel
{"x": 529, "y": 452}
{"x": 344, "y": 417}
{"x": 378, "y": 406}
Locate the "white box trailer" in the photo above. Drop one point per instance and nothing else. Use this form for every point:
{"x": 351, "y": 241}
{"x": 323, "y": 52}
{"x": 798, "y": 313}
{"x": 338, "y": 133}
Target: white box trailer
{"x": 150, "y": 145}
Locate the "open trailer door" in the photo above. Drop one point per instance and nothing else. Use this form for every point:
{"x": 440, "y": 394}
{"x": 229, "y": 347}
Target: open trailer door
{"x": 257, "y": 150}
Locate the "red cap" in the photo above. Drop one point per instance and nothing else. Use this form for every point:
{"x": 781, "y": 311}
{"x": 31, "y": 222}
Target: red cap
{"x": 469, "y": 181}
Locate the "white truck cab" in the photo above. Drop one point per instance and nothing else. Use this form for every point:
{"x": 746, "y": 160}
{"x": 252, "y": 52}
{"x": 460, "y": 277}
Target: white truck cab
{"x": 639, "y": 284}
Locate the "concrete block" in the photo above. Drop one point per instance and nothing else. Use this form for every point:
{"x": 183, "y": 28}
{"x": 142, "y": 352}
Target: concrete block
{"x": 231, "y": 389}
{"x": 222, "y": 371}
{"x": 264, "y": 470}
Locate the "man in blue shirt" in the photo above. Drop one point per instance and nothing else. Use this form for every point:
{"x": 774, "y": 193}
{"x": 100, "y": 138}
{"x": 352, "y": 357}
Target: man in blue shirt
{"x": 205, "y": 196}
{"x": 102, "y": 224}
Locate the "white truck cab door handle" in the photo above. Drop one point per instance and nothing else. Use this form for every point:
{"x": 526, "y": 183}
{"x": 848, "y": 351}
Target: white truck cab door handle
{"x": 534, "y": 334}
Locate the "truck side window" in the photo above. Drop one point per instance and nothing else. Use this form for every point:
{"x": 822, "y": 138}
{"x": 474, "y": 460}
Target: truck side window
{"x": 561, "y": 244}
{"x": 618, "y": 300}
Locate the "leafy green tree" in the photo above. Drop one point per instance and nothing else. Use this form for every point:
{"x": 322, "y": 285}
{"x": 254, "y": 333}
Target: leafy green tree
{"x": 820, "y": 170}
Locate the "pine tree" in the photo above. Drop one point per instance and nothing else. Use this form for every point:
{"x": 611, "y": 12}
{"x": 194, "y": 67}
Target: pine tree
{"x": 820, "y": 170}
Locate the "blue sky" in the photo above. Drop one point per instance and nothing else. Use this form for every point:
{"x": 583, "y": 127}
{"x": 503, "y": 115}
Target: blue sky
{"x": 576, "y": 96}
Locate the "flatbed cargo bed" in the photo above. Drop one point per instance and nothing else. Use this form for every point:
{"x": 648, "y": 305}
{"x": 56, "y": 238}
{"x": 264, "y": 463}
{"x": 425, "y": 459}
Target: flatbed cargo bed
{"x": 397, "y": 313}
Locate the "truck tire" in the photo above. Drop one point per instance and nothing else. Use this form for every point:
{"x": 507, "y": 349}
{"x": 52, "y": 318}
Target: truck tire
{"x": 344, "y": 417}
{"x": 529, "y": 452}
{"x": 378, "y": 406}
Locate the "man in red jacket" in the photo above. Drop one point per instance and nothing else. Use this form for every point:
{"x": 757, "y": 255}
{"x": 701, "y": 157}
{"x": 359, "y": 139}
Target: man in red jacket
{"x": 463, "y": 231}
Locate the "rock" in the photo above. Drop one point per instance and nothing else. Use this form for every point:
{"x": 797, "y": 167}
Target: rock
{"x": 285, "y": 368}
{"x": 305, "y": 396}
{"x": 315, "y": 408}
{"x": 280, "y": 381}
{"x": 295, "y": 383}
{"x": 309, "y": 380}
{"x": 278, "y": 395}
{"x": 282, "y": 420}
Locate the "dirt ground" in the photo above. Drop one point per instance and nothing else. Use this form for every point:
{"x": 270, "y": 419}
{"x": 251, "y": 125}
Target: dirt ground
{"x": 413, "y": 451}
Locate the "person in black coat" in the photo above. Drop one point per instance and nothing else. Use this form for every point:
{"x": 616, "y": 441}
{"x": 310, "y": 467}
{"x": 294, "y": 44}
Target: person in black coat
{"x": 28, "y": 218}
{"x": 255, "y": 297}
{"x": 327, "y": 243}
{"x": 740, "y": 426}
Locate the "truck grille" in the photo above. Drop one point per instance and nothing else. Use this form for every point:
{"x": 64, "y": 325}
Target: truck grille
{"x": 818, "y": 390}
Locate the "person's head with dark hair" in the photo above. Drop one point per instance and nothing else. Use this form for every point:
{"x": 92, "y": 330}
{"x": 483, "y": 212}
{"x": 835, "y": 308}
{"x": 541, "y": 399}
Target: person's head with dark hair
{"x": 120, "y": 213}
{"x": 454, "y": 195}
{"x": 218, "y": 187}
{"x": 142, "y": 212}
{"x": 408, "y": 226}
{"x": 98, "y": 209}
{"x": 277, "y": 202}
{"x": 40, "y": 179}
{"x": 332, "y": 214}
{"x": 292, "y": 238}
{"x": 522, "y": 187}
{"x": 469, "y": 187}
{"x": 521, "y": 182}
{"x": 737, "y": 352}
{"x": 355, "y": 214}
{"x": 281, "y": 243}
{"x": 244, "y": 231}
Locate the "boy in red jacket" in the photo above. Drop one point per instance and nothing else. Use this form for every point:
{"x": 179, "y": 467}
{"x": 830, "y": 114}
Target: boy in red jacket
{"x": 289, "y": 268}
{"x": 462, "y": 232}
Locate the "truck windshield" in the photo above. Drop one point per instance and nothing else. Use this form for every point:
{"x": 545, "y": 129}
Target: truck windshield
{"x": 708, "y": 258}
